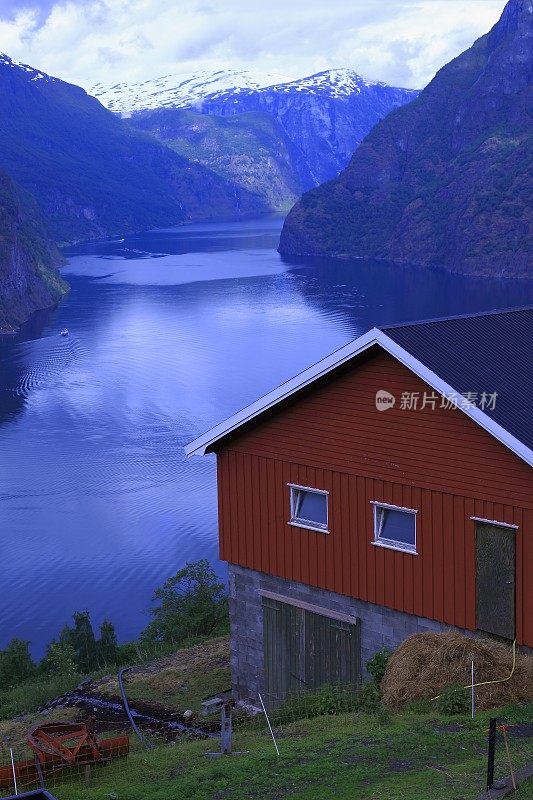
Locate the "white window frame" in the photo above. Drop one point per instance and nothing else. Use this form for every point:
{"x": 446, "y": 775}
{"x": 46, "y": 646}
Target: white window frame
{"x": 299, "y": 522}
{"x": 496, "y": 523}
{"x": 391, "y": 544}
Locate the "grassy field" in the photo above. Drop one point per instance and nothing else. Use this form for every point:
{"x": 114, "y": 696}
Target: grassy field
{"x": 379, "y": 756}
{"x": 178, "y": 682}
{"x": 368, "y": 757}
{"x": 348, "y": 756}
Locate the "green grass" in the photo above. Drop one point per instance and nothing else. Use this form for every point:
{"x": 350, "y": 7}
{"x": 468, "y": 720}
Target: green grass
{"x": 367, "y": 757}
{"x": 181, "y": 680}
{"x": 327, "y": 748}
{"x": 30, "y": 695}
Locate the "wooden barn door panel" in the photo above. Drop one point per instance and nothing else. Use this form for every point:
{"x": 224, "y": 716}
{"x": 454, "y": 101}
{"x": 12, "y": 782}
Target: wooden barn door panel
{"x": 495, "y": 579}
{"x": 331, "y": 652}
{"x": 304, "y": 650}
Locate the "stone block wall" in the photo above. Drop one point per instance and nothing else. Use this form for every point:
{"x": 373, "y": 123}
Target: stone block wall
{"x": 380, "y": 626}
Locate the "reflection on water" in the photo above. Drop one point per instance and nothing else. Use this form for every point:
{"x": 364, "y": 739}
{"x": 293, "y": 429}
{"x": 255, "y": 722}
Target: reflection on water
{"x": 170, "y": 332}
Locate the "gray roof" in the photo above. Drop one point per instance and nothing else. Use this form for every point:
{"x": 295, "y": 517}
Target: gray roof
{"x": 481, "y": 353}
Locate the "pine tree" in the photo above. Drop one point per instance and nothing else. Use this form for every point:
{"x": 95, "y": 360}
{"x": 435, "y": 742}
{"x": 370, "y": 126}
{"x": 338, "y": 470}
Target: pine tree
{"x": 16, "y": 664}
{"x": 84, "y": 642}
{"x": 107, "y": 644}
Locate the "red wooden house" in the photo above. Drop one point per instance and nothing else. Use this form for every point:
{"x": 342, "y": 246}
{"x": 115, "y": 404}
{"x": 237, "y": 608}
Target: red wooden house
{"x": 384, "y": 491}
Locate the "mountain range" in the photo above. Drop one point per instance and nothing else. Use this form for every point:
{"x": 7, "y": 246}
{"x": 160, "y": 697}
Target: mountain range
{"x": 314, "y": 123}
{"x": 446, "y": 180}
{"x": 78, "y": 171}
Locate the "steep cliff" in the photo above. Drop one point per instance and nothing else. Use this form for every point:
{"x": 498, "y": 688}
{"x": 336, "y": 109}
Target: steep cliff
{"x": 28, "y": 258}
{"x": 325, "y": 116}
{"x": 446, "y": 180}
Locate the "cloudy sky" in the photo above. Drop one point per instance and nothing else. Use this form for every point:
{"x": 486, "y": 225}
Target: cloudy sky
{"x": 402, "y": 42}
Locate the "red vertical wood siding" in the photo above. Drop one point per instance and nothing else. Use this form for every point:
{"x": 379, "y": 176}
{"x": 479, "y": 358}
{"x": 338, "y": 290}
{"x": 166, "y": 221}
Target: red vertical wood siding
{"x": 437, "y": 461}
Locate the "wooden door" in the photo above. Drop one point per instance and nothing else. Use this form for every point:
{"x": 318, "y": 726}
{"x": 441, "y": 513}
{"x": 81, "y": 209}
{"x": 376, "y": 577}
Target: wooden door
{"x": 495, "y": 579}
{"x": 304, "y": 650}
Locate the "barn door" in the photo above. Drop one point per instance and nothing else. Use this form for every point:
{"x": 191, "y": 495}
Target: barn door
{"x": 282, "y": 635}
{"x": 304, "y": 650}
{"x": 495, "y": 579}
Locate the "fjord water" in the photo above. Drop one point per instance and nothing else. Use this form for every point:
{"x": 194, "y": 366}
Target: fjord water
{"x": 170, "y": 332}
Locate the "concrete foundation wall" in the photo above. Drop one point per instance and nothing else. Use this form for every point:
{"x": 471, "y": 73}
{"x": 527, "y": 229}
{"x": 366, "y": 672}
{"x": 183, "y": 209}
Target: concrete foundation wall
{"x": 380, "y": 626}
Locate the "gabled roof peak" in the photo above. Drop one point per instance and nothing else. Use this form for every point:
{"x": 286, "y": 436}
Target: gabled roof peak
{"x": 489, "y": 352}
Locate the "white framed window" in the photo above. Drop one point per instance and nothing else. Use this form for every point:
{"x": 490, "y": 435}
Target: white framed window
{"x": 309, "y": 508}
{"x": 395, "y": 527}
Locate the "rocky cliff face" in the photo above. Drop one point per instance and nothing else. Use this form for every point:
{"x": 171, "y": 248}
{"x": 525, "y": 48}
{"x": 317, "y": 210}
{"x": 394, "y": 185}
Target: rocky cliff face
{"x": 29, "y": 259}
{"x": 325, "y": 116}
{"x": 250, "y": 150}
{"x": 445, "y": 180}
{"x": 91, "y": 173}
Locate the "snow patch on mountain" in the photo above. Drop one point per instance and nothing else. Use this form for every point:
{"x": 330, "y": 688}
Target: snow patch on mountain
{"x": 178, "y": 91}
{"x": 34, "y": 74}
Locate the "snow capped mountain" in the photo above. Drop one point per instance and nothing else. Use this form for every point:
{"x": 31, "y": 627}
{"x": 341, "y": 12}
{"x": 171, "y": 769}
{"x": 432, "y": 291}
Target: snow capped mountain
{"x": 323, "y": 116}
{"x": 33, "y": 74}
{"x": 331, "y": 83}
{"x": 92, "y": 174}
{"x": 178, "y": 91}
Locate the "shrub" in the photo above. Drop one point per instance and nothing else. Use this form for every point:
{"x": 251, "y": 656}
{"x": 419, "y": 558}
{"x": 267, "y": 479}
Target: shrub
{"x": 377, "y": 665}
{"x": 328, "y": 699}
{"x": 108, "y": 651}
{"x": 370, "y": 697}
{"x": 61, "y": 658}
{"x": 422, "y": 705}
{"x": 453, "y": 700}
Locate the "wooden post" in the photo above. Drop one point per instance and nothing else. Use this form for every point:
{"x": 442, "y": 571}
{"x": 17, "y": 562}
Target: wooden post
{"x": 506, "y": 742}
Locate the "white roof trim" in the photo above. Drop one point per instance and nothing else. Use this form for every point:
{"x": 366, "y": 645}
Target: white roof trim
{"x": 336, "y": 359}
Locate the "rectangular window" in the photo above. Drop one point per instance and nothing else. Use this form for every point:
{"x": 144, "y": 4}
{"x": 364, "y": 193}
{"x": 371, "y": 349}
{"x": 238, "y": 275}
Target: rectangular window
{"x": 395, "y": 527}
{"x": 309, "y": 508}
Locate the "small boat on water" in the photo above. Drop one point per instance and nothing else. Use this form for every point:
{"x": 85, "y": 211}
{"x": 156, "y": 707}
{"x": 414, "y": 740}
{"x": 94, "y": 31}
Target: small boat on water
{"x": 64, "y": 332}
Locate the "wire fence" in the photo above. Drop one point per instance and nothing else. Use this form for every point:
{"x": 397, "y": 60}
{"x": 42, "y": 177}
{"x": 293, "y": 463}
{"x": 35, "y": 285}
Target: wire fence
{"x": 21, "y": 770}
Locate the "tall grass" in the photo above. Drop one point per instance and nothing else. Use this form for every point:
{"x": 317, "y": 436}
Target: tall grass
{"x": 32, "y": 694}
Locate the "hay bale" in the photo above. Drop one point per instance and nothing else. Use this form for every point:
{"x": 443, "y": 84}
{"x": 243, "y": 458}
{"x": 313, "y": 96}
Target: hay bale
{"x": 427, "y": 663}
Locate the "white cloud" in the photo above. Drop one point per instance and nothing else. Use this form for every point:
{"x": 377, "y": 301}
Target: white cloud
{"x": 403, "y": 42}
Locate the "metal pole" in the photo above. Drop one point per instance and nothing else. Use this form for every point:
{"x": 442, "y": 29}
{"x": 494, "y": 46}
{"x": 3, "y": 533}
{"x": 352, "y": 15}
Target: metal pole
{"x": 473, "y": 693}
{"x": 14, "y": 772}
{"x": 269, "y": 725}
{"x": 492, "y": 749}
{"x": 226, "y": 728}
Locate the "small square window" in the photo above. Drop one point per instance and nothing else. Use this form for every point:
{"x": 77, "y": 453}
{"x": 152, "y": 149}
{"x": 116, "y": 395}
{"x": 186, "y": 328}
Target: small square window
{"x": 395, "y": 527}
{"x": 309, "y": 508}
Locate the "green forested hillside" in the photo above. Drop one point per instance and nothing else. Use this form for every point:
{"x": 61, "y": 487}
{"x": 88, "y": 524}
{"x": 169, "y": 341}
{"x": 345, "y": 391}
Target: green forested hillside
{"x": 91, "y": 173}
{"x": 28, "y": 258}
{"x": 445, "y": 180}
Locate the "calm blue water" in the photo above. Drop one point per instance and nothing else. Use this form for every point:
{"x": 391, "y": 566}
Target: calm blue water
{"x": 170, "y": 332}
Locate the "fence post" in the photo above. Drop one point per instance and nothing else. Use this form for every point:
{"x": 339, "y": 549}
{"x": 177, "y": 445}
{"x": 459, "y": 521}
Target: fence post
{"x": 491, "y": 753}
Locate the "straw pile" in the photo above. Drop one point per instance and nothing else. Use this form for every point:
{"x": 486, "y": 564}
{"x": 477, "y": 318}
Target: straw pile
{"x": 427, "y": 663}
